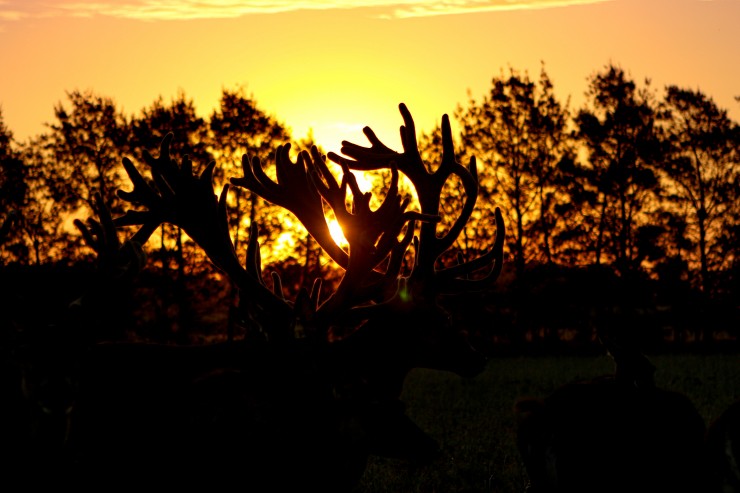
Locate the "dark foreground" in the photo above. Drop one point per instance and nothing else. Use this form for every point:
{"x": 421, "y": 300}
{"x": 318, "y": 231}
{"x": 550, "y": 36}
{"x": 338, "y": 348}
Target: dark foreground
{"x": 475, "y": 424}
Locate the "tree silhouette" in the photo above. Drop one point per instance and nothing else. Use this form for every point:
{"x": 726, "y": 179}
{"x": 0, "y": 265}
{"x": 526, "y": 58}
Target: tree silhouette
{"x": 621, "y": 186}
{"x": 40, "y": 223}
{"x": 64, "y": 167}
{"x": 701, "y": 166}
{"x": 518, "y": 131}
{"x": 179, "y": 117}
{"x": 83, "y": 152}
{"x": 13, "y": 197}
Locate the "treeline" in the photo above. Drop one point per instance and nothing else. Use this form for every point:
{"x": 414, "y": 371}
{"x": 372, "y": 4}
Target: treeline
{"x": 51, "y": 179}
{"x": 623, "y": 214}
{"x": 631, "y": 181}
{"x": 54, "y": 176}
{"x": 641, "y": 183}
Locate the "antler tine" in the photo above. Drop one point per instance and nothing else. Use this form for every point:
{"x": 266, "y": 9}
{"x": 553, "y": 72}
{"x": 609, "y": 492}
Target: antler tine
{"x": 254, "y": 260}
{"x": 429, "y": 190}
{"x": 456, "y": 278}
{"x": 179, "y": 198}
{"x": 116, "y": 258}
{"x": 293, "y": 191}
{"x": 387, "y": 285}
{"x": 380, "y": 156}
{"x": 101, "y": 235}
{"x": 316, "y": 291}
{"x": 372, "y": 235}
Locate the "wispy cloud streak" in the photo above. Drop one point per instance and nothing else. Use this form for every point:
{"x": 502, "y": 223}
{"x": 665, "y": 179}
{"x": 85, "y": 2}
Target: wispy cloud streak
{"x": 427, "y": 9}
{"x": 152, "y": 10}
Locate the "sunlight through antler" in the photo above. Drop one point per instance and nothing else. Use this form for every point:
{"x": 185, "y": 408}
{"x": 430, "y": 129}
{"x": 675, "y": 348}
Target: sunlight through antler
{"x": 336, "y": 233}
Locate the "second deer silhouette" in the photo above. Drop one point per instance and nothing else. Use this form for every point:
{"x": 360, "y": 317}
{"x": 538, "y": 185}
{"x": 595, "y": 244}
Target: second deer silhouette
{"x": 612, "y": 434}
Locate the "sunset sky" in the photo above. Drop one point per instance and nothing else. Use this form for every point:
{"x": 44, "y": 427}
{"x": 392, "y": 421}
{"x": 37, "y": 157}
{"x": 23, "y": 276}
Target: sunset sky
{"x": 335, "y": 66}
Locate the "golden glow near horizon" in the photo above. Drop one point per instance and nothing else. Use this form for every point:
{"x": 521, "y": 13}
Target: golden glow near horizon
{"x": 335, "y": 66}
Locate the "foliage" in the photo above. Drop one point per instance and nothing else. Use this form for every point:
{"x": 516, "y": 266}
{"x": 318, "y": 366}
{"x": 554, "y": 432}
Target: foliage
{"x": 12, "y": 187}
{"x": 636, "y": 183}
{"x": 617, "y": 184}
{"x": 76, "y": 158}
{"x": 179, "y": 117}
{"x": 701, "y": 164}
{"x": 62, "y": 170}
{"x": 518, "y": 132}
{"x": 82, "y": 152}
{"x": 13, "y": 197}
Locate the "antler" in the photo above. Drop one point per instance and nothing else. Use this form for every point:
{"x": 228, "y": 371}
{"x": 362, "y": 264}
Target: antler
{"x": 373, "y": 262}
{"x": 293, "y": 191}
{"x": 428, "y": 185}
{"x": 300, "y": 187}
{"x": 394, "y": 330}
{"x": 178, "y": 197}
{"x": 372, "y": 235}
{"x": 116, "y": 259}
{"x": 303, "y": 187}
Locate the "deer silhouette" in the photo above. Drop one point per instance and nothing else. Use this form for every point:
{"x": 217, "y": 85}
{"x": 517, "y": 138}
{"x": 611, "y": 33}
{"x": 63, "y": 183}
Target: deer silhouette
{"x": 304, "y": 404}
{"x": 613, "y": 433}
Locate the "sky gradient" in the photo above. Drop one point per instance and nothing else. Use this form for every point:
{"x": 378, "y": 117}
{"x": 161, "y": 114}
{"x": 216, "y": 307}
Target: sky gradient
{"x": 335, "y": 66}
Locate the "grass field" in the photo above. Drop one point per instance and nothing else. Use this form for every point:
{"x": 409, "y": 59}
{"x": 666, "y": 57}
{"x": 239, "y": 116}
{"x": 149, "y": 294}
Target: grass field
{"x": 474, "y": 423}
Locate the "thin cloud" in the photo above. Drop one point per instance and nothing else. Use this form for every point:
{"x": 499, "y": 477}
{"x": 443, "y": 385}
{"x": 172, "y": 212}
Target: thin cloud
{"x": 16, "y": 11}
{"x": 428, "y": 9}
{"x": 151, "y": 10}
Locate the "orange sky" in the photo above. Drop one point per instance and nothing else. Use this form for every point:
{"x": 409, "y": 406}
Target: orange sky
{"x": 335, "y": 66}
